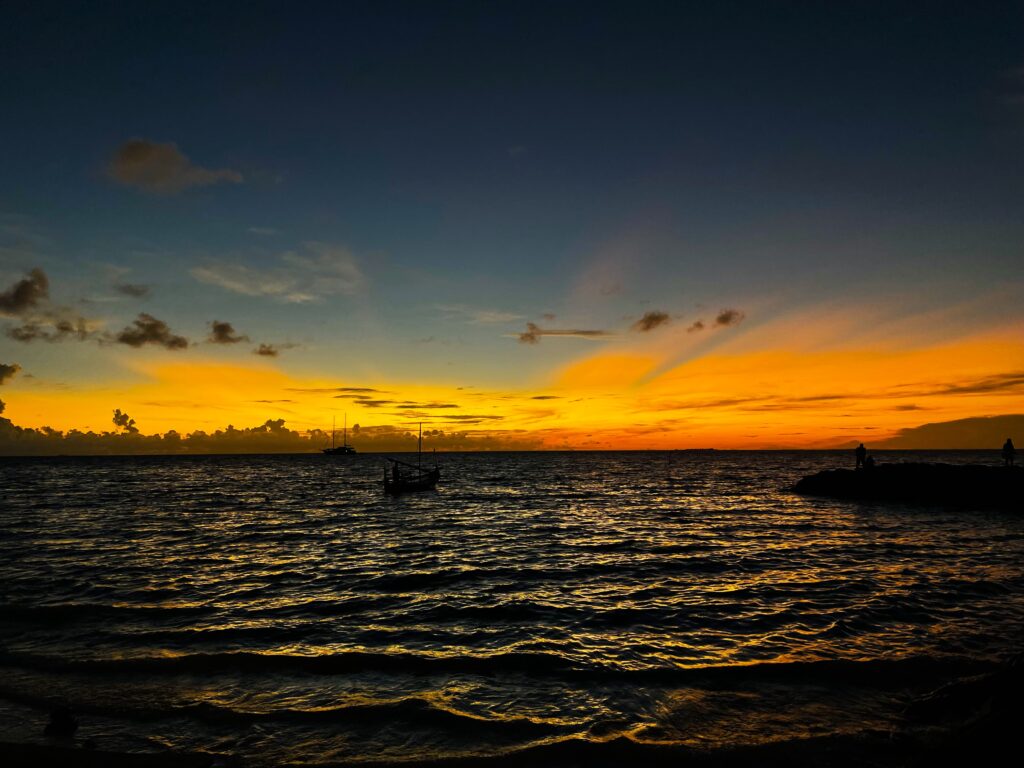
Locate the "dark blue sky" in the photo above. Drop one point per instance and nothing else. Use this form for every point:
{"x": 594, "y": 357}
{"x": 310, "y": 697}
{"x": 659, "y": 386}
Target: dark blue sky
{"x": 589, "y": 160}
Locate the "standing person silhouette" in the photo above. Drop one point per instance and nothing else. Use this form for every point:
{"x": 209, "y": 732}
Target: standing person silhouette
{"x": 861, "y": 452}
{"x": 1009, "y": 453}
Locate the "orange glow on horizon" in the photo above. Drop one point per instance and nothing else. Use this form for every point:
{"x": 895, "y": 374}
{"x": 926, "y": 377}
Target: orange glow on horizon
{"x": 729, "y": 397}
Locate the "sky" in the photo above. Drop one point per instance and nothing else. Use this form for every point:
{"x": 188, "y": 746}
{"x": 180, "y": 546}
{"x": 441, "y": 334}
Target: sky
{"x": 525, "y": 225}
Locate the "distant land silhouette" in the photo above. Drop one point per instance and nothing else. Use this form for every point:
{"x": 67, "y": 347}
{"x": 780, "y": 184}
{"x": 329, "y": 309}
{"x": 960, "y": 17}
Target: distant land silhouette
{"x": 976, "y": 432}
{"x": 273, "y": 436}
{"x": 270, "y": 437}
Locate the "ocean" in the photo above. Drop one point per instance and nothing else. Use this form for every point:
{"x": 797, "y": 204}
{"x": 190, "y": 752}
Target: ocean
{"x": 281, "y": 608}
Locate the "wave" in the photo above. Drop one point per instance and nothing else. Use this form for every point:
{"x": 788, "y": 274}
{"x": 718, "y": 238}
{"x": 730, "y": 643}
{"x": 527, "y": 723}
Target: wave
{"x": 852, "y": 671}
{"x": 60, "y": 613}
{"x": 410, "y": 711}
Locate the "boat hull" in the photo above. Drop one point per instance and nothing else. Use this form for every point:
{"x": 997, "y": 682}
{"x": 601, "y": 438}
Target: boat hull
{"x": 425, "y": 482}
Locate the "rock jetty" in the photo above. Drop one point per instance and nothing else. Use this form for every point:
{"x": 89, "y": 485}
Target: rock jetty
{"x": 962, "y": 485}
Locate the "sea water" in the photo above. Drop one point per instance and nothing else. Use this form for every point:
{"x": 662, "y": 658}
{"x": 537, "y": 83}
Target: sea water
{"x": 282, "y": 607}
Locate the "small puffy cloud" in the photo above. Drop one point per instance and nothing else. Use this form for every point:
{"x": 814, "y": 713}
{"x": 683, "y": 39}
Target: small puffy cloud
{"x": 266, "y": 350}
{"x": 723, "y": 319}
{"x": 651, "y": 320}
{"x": 162, "y": 168}
{"x": 320, "y": 270}
{"x": 534, "y": 333}
{"x": 7, "y": 371}
{"x": 134, "y": 290}
{"x": 273, "y": 350}
{"x": 729, "y": 317}
{"x": 26, "y": 294}
{"x": 125, "y": 422}
{"x": 146, "y": 329}
{"x": 222, "y": 332}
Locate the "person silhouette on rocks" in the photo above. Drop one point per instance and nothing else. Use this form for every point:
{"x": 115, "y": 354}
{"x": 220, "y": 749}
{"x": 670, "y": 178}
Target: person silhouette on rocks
{"x": 860, "y": 452}
{"x": 1009, "y": 453}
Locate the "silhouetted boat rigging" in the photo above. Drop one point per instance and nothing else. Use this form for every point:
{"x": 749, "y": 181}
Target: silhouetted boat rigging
{"x": 341, "y": 450}
{"x": 403, "y": 477}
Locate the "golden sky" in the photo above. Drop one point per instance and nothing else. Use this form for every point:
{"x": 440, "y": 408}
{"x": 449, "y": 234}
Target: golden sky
{"x": 806, "y": 380}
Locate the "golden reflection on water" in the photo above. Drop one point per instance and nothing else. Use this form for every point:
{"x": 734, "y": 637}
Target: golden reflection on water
{"x": 531, "y": 600}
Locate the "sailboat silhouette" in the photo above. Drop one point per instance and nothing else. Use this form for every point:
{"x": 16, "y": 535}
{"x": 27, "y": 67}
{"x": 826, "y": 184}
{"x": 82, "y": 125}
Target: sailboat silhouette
{"x": 340, "y": 450}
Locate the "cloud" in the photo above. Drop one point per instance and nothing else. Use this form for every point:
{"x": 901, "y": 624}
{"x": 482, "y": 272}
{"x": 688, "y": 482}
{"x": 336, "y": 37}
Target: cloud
{"x": 29, "y": 300}
{"x": 162, "y": 168}
{"x": 323, "y": 270}
{"x": 723, "y": 319}
{"x": 408, "y": 404}
{"x": 263, "y": 231}
{"x": 273, "y": 350}
{"x": 729, "y": 317}
{"x": 125, "y": 422}
{"x": 328, "y": 390}
{"x": 651, "y": 320}
{"x": 266, "y": 350}
{"x": 479, "y": 316}
{"x": 224, "y": 333}
{"x": 52, "y": 330}
{"x": 7, "y": 371}
{"x": 146, "y": 329}
{"x": 998, "y": 383}
{"x": 534, "y": 333}
{"x": 132, "y": 289}
{"x": 26, "y": 294}
{"x": 366, "y": 402}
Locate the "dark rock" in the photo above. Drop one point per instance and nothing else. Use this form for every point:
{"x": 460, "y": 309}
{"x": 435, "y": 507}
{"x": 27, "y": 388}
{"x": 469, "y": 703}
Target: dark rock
{"x": 953, "y": 484}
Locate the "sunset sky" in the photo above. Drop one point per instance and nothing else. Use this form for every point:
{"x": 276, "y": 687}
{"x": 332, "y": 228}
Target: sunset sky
{"x": 546, "y": 225}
